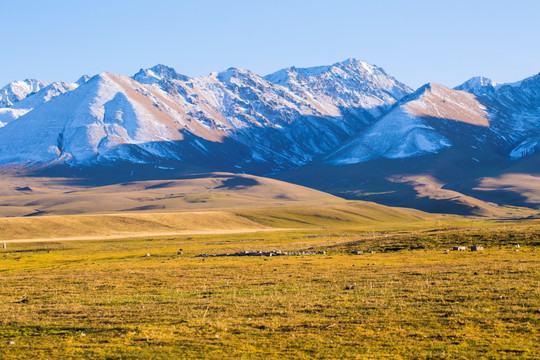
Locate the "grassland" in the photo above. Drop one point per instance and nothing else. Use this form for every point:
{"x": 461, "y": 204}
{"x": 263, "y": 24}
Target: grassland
{"x": 410, "y": 298}
{"x": 30, "y": 196}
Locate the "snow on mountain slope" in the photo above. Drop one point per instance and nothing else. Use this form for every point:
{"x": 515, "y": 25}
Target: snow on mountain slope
{"x": 7, "y": 115}
{"x": 112, "y": 118}
{"x": 236, "y": 103}
{"x": 514, "y": 112}
{"x": 524, "y": 114}
{"x": 413, "y": 126}
{"x": 398, "y": 135}
{"x": 352, "y": 85}
{"x": 18, "y": 90}
{"x": 33, "y": 100}
{"x": 526, "y": 147}
{"x": 478, "y": 85}
{"x": 83, "y": 79}
{"x": 162, "y": 114}
{"x": 273, "y": 118}
{"x": 87, "y": 123}
{"x": 279, "y": 125}
{"x": 158, "y": 73}
{"x": 44, "y": 95}
{"x": 270, "y": 119}
{"x": 265, "y": 124}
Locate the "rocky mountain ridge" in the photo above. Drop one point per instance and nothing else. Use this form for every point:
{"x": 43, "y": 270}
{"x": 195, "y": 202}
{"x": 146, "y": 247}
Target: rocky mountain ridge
{"x": 349, "y": 129}
{"x": 235, "y": 116}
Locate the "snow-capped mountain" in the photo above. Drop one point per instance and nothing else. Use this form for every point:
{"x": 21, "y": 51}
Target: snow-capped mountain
{"x": 348, "y": 128}
{"x": 514, "y": 112}
{"x": 158, "y": 73}
{"x": 234, "y": 117}
{"x": 18, "y": 90}
{"x": 480, "y": 115}
{"x": 349, "y": 112}
{"x": 466, "y": 150}
{"x": 478, "y": 85}
{"x": 33, "y": 100}
{"x": 355, "y": 85}
{"x": 421, "y": 123}
{"x": 94, "y": 116}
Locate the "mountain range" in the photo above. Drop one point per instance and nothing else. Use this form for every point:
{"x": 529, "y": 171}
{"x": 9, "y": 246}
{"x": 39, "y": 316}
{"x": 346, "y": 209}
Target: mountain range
{"x": 349, "y": 129}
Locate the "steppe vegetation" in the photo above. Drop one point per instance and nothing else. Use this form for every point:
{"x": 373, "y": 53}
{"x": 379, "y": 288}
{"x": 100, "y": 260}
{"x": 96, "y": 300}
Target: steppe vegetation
{"x": 385, "y": 289}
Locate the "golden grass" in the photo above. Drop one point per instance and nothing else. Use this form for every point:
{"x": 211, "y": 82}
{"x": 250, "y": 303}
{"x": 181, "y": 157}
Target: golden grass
{"x": 526, "y": 185}
{"x": 409, "y": 299}
{"x": 83, "y": 226}
{"x": 23, "y": 196}
{"x": 103, "y": 298}
{"x": 342, "y": 214}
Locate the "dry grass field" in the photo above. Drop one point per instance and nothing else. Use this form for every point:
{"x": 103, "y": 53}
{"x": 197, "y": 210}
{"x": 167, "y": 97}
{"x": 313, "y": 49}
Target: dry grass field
{"x": 403, "y": 296}
{"x": 94, "y": 272}
{"x": 29, "y": 196}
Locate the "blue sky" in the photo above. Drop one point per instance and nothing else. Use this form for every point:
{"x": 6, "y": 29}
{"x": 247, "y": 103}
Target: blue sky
{"x": 417, "y": 41}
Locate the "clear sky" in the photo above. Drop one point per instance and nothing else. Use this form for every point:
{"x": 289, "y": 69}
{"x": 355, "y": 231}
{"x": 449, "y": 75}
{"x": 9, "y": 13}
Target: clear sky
{"x": 417, "y": 41}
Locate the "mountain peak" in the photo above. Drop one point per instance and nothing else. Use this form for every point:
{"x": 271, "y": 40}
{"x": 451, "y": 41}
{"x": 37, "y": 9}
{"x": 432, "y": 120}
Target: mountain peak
{"x": 352, "y": 62}
{"x": 432, "y": 87}
{"x": 104, "y": 75}
{"x": 235, "y": 73}
{"x": 158, "y": 73}
{"x": 423, "y": 122}
{"x": 478, "y": 85}
{"x": 349, "y": 84}
{"x": 83, "y": 79}
{"x": 235, "y": 70}
{"x": 284, "y": 119}
{"x": 18, "y": 90}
